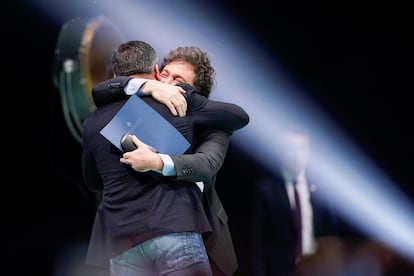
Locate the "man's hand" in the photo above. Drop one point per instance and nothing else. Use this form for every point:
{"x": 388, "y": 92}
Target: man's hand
{"x": 142, "y": 159}
{"x": 168, "y": 94}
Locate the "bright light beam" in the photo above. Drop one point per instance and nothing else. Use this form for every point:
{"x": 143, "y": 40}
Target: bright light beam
{"x": 247, "y": 76}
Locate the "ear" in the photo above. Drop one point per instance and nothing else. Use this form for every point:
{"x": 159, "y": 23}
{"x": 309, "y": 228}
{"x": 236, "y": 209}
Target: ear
{"x": 156, "y": 72}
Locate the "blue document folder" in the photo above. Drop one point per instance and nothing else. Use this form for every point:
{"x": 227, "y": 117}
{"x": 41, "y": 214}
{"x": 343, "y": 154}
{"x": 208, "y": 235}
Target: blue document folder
{"x": 136, "y": 117}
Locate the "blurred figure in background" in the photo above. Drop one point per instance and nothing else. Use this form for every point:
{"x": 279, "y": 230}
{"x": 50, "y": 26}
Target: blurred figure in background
{"x": 289, "y": 224}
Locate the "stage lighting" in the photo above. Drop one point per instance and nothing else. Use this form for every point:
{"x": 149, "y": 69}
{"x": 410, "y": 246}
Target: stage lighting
{"x": 82, "y": 59}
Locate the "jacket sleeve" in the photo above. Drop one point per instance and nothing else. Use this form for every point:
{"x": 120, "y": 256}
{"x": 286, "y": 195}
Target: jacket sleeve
{"x": 216, "y": 114}
{"x": 206, "y": 160}
{"x": 111, "y": 90}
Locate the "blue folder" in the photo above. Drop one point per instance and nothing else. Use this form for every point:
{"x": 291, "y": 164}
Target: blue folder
{"x": 136, "y": 117}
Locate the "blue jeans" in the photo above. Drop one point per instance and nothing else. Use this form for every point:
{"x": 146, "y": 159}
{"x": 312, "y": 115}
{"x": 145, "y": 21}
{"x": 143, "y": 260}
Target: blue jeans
{"x": 175, "y": 254}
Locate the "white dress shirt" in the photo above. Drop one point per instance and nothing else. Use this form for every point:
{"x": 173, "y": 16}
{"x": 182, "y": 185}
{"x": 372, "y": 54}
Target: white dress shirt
{"x": 308, "y": 239}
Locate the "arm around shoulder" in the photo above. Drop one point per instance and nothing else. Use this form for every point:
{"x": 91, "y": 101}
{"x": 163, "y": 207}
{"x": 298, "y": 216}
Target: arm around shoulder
{"x": 111, "y": 90}
{"x": 216, "y": 114}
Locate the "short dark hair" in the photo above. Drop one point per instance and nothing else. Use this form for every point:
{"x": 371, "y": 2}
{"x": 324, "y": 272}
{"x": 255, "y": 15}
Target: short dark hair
{"x": 133, "y": 57}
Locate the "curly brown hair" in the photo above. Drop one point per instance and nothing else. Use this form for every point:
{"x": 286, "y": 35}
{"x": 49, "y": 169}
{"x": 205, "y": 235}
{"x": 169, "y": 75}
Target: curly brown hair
{"x": 204, "y": 72}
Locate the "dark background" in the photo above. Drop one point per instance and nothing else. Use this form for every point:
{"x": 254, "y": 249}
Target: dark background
{"x": 354, "y": 58}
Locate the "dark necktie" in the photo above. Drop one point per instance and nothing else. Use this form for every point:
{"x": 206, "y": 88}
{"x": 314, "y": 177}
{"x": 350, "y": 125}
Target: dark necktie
{"x": 298, "y": 220}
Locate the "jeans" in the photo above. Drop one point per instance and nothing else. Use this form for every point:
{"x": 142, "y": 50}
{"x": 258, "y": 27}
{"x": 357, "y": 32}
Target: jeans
{"x": 175, "y": 254}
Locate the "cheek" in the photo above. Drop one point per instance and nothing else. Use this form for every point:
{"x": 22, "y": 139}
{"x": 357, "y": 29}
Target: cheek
{"x": 163, "y": 79}
{"x": 173, "y": 82}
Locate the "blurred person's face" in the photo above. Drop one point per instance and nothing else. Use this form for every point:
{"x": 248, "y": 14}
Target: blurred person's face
{"x": 178, "y": 72}
{"x": 294, "y": 152}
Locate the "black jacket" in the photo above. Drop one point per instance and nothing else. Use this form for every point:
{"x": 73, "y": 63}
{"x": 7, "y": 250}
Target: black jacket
{"x": 128, "y": 214}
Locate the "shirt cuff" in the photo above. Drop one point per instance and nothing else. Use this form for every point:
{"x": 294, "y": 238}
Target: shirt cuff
{"x": 134, "y": 85}
{"x": 168, "y": 169}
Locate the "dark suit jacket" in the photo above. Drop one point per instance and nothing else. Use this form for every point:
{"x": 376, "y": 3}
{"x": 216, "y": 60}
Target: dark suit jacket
{"x": 227, "y": 116}
{"x": 209, "y": 154}
{"x": 273, "y": 233}
{"x": 203, "y": 165}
